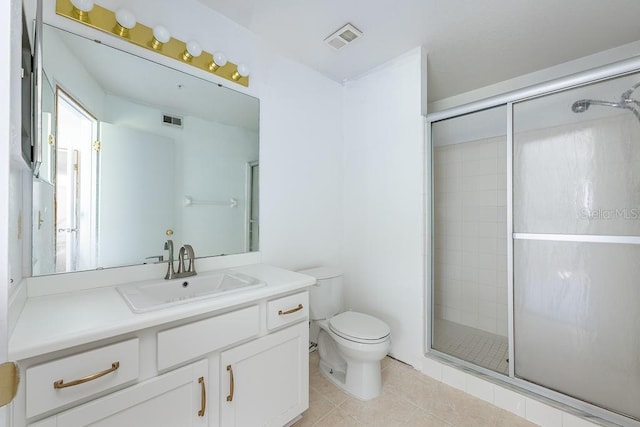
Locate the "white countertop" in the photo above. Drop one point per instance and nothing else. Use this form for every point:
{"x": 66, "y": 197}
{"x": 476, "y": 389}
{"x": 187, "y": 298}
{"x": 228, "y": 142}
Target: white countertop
{"x": 54, "y": 322}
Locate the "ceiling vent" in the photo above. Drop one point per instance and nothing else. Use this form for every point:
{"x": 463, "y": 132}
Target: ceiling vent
{"x": 343, "y": 37}
{"x": 174, "y": 121}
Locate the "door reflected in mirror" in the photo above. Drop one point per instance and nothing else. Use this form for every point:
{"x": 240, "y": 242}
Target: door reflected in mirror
{"x": 76, "y": 164}
{"x": 138, "y": 150}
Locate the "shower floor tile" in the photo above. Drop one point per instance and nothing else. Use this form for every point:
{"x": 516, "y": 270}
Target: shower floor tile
{"x": 473, "y": 345}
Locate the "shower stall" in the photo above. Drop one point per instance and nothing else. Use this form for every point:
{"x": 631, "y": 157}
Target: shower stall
{"x": 535, "y": 240}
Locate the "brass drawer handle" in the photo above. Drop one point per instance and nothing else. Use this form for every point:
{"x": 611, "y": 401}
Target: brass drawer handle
{"x": 293, "y": 310}
{"x": 231, "y": 383}
{"x": 203, "y": 397}
{"x": 61, "y": 384}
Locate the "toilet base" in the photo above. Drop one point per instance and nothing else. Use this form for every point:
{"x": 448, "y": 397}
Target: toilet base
{"x": 363, "y": 383}
{"x": 356, "y": 373}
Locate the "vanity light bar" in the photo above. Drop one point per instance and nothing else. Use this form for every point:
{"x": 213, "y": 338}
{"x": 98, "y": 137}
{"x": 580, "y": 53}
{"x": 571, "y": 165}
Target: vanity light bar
{"x": 105, "y": 20}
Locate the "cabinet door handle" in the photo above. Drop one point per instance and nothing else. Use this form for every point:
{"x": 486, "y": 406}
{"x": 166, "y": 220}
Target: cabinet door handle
{"x": 293, "y": 310}
{"x": 203, "y": 397}
{"x": 61, "y": 384}
{"x": 231, "y": 383}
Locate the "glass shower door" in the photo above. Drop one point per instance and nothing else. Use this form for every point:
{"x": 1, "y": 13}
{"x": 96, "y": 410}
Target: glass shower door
{"x": 469, "y": 319}
{"x": 576, "y": 216}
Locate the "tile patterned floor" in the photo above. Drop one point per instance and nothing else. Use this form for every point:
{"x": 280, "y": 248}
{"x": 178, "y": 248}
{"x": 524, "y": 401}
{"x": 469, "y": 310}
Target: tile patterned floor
{"x": 409, "y": 399}
{"x": 473, "y": 345}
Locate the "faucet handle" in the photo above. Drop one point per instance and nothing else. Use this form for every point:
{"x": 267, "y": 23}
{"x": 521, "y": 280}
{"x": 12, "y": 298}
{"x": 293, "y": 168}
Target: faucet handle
{"x": 181, "y": 260}
{"x": 192, "y": 258}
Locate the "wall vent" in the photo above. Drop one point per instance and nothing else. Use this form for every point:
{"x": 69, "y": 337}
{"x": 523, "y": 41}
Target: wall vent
{"x": 174, "y": 121}
{"x": 343, "y": 37}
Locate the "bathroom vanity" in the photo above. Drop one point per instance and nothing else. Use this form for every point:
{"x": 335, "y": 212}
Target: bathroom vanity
{"x": 234, "y": 359}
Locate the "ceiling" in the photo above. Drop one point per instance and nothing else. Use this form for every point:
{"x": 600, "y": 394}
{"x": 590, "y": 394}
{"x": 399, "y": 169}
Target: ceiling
{"x": 470, "y": 43}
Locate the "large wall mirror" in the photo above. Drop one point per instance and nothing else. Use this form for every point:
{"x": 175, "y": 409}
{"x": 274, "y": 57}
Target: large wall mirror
{"x": 134, "y": 153}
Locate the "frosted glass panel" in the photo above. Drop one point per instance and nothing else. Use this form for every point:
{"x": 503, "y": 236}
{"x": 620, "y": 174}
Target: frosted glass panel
{"x": 577, "y": 320}
{"x": 577, "y": 172}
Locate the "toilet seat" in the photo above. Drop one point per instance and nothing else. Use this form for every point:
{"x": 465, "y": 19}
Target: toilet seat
{"x": 359, "y": 327}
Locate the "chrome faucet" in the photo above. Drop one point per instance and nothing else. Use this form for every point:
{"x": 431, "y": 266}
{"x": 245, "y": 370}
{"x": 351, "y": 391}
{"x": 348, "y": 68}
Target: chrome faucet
{"x": 189, "y": 270}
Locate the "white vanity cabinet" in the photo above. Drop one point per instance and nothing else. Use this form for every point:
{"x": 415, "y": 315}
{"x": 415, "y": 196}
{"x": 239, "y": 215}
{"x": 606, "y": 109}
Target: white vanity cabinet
{"x": 265, "y": 382}
{"x": 245, "y": 365}
{"x": 177, "y": 398}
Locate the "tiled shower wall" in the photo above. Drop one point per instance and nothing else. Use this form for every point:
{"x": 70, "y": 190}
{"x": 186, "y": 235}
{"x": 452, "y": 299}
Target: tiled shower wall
{"x": 470, "y": 246}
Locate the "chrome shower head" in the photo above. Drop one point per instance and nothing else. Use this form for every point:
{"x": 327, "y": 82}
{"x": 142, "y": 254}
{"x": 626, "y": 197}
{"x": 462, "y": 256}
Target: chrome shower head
{"x": 583, "y": 105}
{"x": 626, "y": 102}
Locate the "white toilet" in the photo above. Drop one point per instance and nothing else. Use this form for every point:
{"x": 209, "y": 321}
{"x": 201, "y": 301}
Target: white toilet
{"x": 351, "y": 345}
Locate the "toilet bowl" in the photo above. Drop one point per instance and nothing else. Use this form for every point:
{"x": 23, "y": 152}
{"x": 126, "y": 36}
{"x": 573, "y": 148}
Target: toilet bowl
{"x": 350, "y": 361}
{"x": 350, "y": 344}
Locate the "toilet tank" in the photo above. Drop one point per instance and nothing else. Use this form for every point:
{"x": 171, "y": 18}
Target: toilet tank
{"x": 325, "y": 297}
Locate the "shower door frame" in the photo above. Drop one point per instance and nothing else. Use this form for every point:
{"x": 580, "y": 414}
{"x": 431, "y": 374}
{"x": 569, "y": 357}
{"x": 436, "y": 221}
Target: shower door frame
{"x": 616, "y": 69}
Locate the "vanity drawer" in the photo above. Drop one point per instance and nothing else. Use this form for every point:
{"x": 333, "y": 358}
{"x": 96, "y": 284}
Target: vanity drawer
{"x": 286, "y": 310}
{"x": 196, "y": 339}
{"x": 97, "y": 370}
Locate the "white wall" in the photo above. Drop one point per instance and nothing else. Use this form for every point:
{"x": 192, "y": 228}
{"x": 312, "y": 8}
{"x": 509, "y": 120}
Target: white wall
{"x": 12, "y": 169}
{"x": 301, "y": 170}
{"x": 383, "y": 199}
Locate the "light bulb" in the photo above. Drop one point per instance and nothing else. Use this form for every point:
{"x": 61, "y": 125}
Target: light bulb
{"x": 160, "y": 36}
{"x": 219, "y": 60}
{"x": 125, "y": 21}
{"x": 82, "y": 8}
{"x": 83, "y": 5}
{"x": 193, "y": 50}
{"x": 242, "y": 71}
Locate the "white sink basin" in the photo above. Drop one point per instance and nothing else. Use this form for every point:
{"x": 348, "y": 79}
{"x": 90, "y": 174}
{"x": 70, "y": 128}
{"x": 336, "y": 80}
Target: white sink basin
{"x": 154, "y": 295}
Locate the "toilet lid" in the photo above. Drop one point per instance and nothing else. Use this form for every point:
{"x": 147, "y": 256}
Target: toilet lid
{"x": 359, "y": 326}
